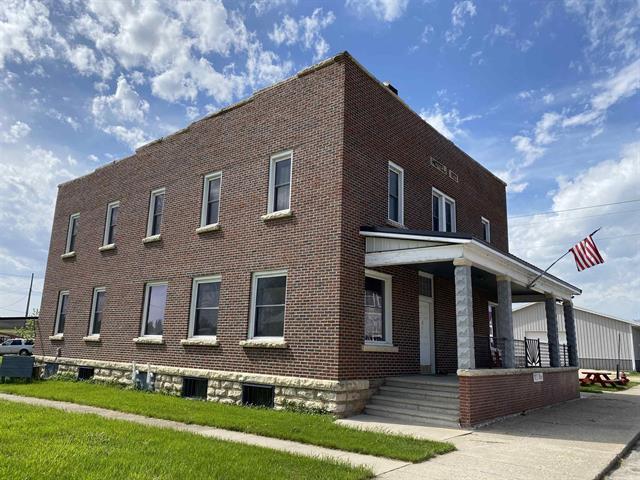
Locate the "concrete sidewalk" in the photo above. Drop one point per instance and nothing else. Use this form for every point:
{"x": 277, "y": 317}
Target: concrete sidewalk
{"x": 575, "y": 440}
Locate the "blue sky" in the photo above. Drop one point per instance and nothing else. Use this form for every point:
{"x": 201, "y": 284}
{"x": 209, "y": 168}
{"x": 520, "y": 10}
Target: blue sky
{"x": 545, "y": 94}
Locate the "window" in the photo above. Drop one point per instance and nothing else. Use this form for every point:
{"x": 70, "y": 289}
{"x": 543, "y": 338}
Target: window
{"x": 396, "y": 193}
{"x": 258, "y": 395}
{"x": 205, "y": 296}
{"x": 61, "y": 314}
{"x": 486, "y": 230}
{"x": 97, "y": 307}
{"x": 193, "y": 387}
{"x": 280, "y": 182}
{"x": 268, "y": 294}
{"x": 377, "y": 307}
{"x": 72, "y": 233}
{"x": 211, "y": 199}
{"x": 155, "y": 298}
{"x": 493, "y": 316}
{"x": 85, "y": 373}
{"x": 425, "y": 284}
{"x": 156, "y": 210}
{"x": 443, "y": 210}
{"x": 111, "y": 223}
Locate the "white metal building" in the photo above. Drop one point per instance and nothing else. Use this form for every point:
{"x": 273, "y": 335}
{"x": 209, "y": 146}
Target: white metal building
{"x": 599, "y": 336}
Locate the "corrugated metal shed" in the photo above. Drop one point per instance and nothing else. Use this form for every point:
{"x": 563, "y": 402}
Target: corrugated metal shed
{"x": 597, "y": 335}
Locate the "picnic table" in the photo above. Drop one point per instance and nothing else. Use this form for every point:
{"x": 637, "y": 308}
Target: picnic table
{"x": 595, "y": 376}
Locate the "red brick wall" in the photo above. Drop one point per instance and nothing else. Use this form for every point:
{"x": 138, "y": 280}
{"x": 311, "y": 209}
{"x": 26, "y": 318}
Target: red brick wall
{"x": 304, "y": 114}
{"x": 483, "y": 398}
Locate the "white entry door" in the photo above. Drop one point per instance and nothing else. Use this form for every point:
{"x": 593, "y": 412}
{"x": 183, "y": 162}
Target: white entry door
{"x": 427, "y": 336}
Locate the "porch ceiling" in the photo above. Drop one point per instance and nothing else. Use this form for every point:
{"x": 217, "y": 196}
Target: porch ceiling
{"x": 435, "y": 251}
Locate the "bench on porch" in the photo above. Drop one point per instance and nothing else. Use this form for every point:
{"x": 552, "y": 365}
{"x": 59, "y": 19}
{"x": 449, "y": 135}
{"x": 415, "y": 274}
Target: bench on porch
{"x": 16, "y": 366}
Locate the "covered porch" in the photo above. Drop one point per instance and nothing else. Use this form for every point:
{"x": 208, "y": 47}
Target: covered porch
{"x": 490, "y": 364}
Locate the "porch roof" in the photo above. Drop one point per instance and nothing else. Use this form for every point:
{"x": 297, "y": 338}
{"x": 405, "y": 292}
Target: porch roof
{"x": 393, "y": 246}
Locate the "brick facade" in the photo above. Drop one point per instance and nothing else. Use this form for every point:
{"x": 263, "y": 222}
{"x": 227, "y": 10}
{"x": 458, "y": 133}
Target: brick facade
{"x": 494, "y": 394}
{"x": 343, "y": 127}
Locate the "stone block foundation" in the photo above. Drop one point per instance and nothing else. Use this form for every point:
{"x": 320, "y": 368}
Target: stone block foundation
{"x": 489, "y": 394}
{"x": 341, "y": 398}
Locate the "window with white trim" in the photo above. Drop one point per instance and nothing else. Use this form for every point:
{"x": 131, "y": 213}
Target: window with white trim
{"x": 211, "y": 199}
{"x": 97, "y": 308}
{"x": 377, "y": 307}
{"x": 280, "y": 182}
{"x": 61, "y": 312}
{"x": 396, "y": 193}
{"x": 493, "y": 319}
{"x": 156, "y": 211}
{"x": 268, "y": 299}
{"x": 72, "y": 233}
{"x": 486, "y": 229}
{"x": 205, "y": 298}
{"x": 155, "y": 299}
{"x": 443, "y": 209}
{"x": 111, "y": 223}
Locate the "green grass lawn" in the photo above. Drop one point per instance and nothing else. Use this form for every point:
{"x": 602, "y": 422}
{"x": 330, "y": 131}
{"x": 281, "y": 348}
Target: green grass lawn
{"x": 597, "y": 388}
{"x": 46, "y": 443}
{"x": 313, "y": 429}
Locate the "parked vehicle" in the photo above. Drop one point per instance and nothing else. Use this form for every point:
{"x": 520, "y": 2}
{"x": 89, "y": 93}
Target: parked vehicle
{"x": 18, "y": 346}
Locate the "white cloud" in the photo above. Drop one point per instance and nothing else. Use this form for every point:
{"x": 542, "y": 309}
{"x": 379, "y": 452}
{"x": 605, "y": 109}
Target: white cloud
{"x": 448, "y": 123}
{"x": 460, "y": 14}
{"x": 527, "y": 148}
{"x": 305, "y": 30}
{"x": 263, "y": 6}
{"x": 85, "y": 61}
{"x": 125, "y": 105}
{"x": 132, "y": 136}
{"x": 385, "y": 10}
{"x": 548, "y": 98}
{"x": 15, "y": 133}
{"x": 545, "y": 126}
{"x": 613, "y": 287}
{"x": 192, "y": 112}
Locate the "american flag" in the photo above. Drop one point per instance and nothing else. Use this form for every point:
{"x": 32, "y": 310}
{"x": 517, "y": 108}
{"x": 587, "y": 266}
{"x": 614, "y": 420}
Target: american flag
{"x": 586, "y": 254}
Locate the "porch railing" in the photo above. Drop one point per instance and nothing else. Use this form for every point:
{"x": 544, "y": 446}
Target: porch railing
{"x": 530, "y": 352}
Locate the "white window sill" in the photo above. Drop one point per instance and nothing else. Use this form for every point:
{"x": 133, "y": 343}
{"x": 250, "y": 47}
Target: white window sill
{"x": 57, "y": 336}
{"x": 153, "y": 340}
{"x": 200, "y": 341}
{"x": 275, "y": 215}
{"x": 106, "y": 248}
{"x": 68, "y": 255}
{"x": 393, "y": 223}
{"x": 152, "y": 238}
{"x": 259, "y": 343}
{"x": 208, "y": 228}
{"x": 370, "y": 347}
{"x": 91, "y": 338}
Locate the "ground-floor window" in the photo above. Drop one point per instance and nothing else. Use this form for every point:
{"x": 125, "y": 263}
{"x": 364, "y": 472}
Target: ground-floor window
{"x": 268, "y": 298}
{"x": 377, "y": 307}
{"x": 203, "y": 321}
{"x": 154, "y": 302}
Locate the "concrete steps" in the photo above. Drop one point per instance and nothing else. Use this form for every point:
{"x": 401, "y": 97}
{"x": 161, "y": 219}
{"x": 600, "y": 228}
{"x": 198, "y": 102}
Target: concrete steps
{"x": 428, "y": 400}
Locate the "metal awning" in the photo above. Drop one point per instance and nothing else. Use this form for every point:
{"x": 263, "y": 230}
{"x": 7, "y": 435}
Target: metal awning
{"x": 393, "y": 246}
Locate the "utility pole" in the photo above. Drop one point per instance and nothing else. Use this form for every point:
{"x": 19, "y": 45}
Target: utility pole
{"x": 26, "y": 313}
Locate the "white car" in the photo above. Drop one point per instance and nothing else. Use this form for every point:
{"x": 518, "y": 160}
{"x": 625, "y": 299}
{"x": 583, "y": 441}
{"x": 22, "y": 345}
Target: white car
{"x": 18, "y": 346}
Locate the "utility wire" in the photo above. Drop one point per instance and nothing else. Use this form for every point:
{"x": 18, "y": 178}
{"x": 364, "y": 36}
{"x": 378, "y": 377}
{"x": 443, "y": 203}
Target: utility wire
{"x": 550, "y": 212}
{"x": 12, "y": 304}
{"x": 569, "y": 219}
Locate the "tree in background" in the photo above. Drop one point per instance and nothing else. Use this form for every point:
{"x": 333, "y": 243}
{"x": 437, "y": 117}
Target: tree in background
{"x": 28, "y": 332}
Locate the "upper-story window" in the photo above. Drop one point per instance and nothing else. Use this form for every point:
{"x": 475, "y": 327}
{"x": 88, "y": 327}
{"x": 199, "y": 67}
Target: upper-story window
{"x": 61, "y": 313}
{"x": 486, "y": 230}
{"x": 97, "y": 307}
{"x": 443, "y": 212}
{"x": 396, "y": 193}
{"x": 72, "y": 233}
{"x": 211, "y": 199}
{"x": 377, "y": 307}
{"x": 111, "y": 223}
{"x": 268, "y": 298}
{"x": 280, "y": 182}
{"x": 156, "y": 211}
{"x": 155, "y": 298}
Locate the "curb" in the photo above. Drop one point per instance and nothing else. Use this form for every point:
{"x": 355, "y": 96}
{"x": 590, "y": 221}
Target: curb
{"x": 613, "y": 464}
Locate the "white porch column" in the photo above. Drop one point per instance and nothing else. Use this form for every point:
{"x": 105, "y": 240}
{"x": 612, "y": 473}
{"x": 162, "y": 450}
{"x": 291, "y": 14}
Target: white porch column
{"x": 464, "y": 314}
{"x": 570, "y": 327}
{"x": 505, "y": 320}
{"x": 552, "y": 330}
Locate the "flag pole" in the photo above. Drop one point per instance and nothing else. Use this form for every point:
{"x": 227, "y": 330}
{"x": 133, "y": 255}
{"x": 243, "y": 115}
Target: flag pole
{"x": 560, "y": 258}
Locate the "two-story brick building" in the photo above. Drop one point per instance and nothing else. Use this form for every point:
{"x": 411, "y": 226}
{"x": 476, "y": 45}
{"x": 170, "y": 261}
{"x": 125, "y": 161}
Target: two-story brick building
{"x": 304, "y": 245}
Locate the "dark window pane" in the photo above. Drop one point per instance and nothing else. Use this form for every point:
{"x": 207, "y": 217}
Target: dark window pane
{"x": 155, "y": 309}
{"x": 208, "y": 295}
{"x": 394, "y": 179}
{"x": 435, "y": 208}
{"x": 374, "y": 309}
{"x": 158, "y": 204}
{"x": 97, "y": 313}
{"x": 214, "y": 190}
{"x": 283, "y": 172}
{"x": 393, "y": 209}
{"x": 271, "y": 291}
{"x": 269, "y": 321}
{"x": 74, "y": 233}
{"x": 212, "y": 212}
{"x": 63, "y": 313}
{"x": 206, "y": 321}
{"x": 113, "y": 222}
{"x": 448, "y": 215}
{"x": 158, "y": 209}
{"x": 425, "y": 286}
{"x": 97, "y": 323}
{"x": 281, "y": 200}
